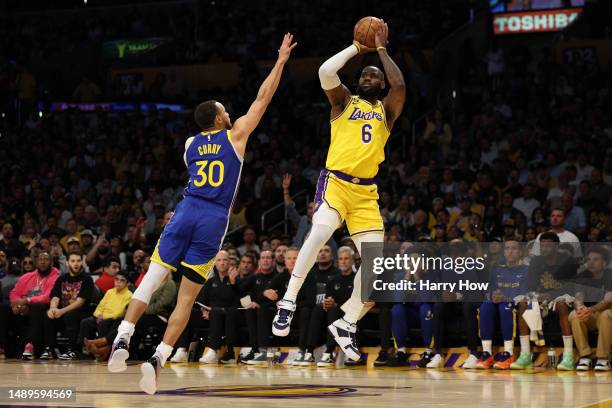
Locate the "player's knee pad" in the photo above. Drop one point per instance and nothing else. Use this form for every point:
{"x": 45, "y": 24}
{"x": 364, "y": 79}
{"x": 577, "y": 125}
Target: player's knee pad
{"x": 151, "y": 282}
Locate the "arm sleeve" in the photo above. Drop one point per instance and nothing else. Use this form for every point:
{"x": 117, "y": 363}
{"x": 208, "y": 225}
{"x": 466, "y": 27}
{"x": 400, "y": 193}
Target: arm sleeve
{"x": 328, "y": 72}
{"x": 187, "y": 144}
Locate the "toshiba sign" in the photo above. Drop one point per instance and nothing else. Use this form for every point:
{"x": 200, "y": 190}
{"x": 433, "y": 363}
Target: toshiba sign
{"x": 534, "y": 21}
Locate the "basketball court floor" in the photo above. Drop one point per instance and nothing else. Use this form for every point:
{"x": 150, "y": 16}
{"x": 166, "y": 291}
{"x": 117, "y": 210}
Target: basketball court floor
{"x": 193, "y": 384}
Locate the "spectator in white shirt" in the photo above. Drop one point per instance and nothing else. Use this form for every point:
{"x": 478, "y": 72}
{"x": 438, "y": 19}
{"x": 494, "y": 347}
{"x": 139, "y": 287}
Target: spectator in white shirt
{"x": 557, "y": 225}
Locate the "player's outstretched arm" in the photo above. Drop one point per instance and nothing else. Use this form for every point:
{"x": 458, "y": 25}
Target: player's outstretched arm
{"x": 338, "y": 94}
{"x": 394, "y": 102}
{"x": 246, "y": 124}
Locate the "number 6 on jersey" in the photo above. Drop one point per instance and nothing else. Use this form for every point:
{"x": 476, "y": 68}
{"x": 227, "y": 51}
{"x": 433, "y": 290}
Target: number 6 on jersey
{"x": 366, "y": 136}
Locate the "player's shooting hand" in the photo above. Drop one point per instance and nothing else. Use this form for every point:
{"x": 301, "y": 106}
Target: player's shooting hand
{"x": 271, "y": 294}
{"x": 286, "y": 181}
{"x": 362, "y": 48}
{"x": 285, "y": 49}
{"x": 381, "y": 37}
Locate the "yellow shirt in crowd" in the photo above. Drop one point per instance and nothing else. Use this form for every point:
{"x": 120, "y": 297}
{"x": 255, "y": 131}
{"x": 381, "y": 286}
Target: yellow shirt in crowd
{"x": 113, "y": 304}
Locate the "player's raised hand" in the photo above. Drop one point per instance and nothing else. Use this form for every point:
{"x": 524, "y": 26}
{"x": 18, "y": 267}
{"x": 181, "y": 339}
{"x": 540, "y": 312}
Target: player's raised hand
{"x": 286, "y": 47}
{"x": 381, "y": 37}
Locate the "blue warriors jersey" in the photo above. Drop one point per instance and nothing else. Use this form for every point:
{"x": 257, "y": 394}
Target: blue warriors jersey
{"x": 214, "y": 168}
{"x": 510, "y": 280}
{"x": 195, "y": 232}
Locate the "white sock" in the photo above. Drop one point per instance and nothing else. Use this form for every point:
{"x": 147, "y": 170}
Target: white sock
{"x": 487, "y": 346}
{"x": 151, "y": 282}
{"x": 509, "y": 346}
{"x": 319, "y": 235}
{"x": 183, "y": 349}
{"x": 125, "y": 331}
{"x": 568, "y": 344}
{"x": 163, "y": 350}
{"x": 402, "y": 349}
{"x": 525, "y": 344}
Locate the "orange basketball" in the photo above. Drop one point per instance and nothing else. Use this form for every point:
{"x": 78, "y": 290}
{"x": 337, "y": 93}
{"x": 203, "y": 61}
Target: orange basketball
{"x": 365, "y": 29}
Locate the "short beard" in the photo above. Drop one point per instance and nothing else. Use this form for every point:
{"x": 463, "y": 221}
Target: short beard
{"x": 370, "y": 93}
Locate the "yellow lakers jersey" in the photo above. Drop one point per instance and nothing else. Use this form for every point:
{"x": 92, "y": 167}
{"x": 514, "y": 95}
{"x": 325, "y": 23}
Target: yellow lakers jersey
{"x": 358, "y": 138}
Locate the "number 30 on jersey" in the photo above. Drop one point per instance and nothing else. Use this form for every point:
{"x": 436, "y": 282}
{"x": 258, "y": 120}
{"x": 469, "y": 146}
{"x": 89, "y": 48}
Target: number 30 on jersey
{"x": 209, "y": 173}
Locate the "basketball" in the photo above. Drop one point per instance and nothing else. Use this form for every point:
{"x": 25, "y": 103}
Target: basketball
{"x": 365, "y": 29}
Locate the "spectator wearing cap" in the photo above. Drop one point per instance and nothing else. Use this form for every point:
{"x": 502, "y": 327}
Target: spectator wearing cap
{"x": 526, "y": 203}
{"x": 11, "y": 246}
{"x": 87, "y": 241}
{"x": 110, "y": 269}
{"x": 73, "y": 245}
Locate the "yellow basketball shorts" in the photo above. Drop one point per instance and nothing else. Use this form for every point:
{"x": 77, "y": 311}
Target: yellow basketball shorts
{"x": 356, "y": 204}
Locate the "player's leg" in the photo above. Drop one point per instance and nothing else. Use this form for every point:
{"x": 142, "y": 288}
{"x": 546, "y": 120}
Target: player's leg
{"x": 399, "y": 328}
{"x": 426, "y": 318}
{"x": 506, "y": 315}
{"x": 604, "y": 339}
{"x": 344, "y": 330}
{"x": 170, "y": 249}
{"x": 524, "y": 360}
{"x": 385, "y": 327}
{"x": 325, "y": 221}
{"x": 567, "y": 362}
{"x": 487, "y": 327}
{"x": 190, "y": 287}
{"x": 470, "y": 316}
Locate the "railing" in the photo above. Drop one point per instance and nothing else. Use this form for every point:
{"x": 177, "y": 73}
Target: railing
{"x": 285, "y": 221}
